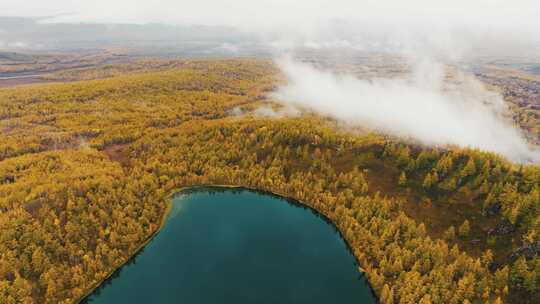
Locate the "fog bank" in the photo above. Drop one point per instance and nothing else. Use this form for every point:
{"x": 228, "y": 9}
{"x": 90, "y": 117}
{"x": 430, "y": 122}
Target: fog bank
{"x": 421, "y": 106}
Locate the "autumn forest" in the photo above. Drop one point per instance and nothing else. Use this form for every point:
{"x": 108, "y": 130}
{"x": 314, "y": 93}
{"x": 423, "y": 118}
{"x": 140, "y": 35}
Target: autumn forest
{"x": 88, "y": 163}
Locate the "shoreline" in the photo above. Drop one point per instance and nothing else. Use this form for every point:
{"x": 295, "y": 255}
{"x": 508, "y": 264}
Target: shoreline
{"x": 165, "y": 216}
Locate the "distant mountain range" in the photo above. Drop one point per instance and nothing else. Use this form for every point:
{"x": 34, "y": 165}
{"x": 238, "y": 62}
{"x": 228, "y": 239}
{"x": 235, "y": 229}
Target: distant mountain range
{"x": 35, "y": 34}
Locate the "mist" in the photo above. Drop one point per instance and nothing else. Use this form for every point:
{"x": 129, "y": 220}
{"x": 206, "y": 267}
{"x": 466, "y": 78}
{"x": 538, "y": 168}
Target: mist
{"x": 421, "y": 106}
{"x": 507, "y": 28}
{"x": 430, "y": 35}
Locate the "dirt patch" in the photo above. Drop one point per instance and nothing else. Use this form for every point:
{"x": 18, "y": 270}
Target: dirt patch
{"x": 119, "y": 153}
{"x": 33, "y": 207}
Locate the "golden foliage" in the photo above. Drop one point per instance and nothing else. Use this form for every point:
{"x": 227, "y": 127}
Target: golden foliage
{"x": 85, "y": 168}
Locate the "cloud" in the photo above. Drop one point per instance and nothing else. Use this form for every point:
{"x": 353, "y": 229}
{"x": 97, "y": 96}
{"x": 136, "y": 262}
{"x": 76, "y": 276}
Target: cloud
{"x": 422, "y": 106}
{"x": 267, "y": 111}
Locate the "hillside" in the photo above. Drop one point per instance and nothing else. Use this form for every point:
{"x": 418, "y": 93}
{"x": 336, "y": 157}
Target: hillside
{"x": 86, "y": 168}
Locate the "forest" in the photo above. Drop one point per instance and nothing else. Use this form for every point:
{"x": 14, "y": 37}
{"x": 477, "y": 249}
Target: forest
{"x": 87, "y": 167}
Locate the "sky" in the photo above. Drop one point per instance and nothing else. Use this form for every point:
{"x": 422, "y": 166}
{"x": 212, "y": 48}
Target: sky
{"x": 303, "y": 15}
{"x": 455, "y": 24}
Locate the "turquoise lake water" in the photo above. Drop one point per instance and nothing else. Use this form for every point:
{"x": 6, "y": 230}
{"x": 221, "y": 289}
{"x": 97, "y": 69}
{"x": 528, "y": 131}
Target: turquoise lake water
{"x": 238, "y": 246}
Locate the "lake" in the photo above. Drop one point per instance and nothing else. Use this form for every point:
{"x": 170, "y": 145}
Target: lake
{"x": 223, "y": 245}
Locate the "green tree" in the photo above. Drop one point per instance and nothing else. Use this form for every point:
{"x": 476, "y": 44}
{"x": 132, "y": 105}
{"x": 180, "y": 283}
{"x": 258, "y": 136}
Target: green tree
{"x": 450, "y": 234}
{"x": 402, "y": 179}
{"x": 464, "y": 229}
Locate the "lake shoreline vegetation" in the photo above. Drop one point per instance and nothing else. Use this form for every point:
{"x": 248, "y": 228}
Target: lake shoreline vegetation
{"x": 87, "y": 169}
{"x": 162, "y": 223}
{"x": 214, "y": 187}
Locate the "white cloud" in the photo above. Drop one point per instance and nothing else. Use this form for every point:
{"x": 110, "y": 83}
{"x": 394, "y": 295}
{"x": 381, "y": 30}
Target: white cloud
{"x": 446, "y": 31}
{"x": 419, "y": 107}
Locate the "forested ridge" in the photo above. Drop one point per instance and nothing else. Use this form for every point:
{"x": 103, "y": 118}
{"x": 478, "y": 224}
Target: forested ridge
{"x": 85, "y": 169}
